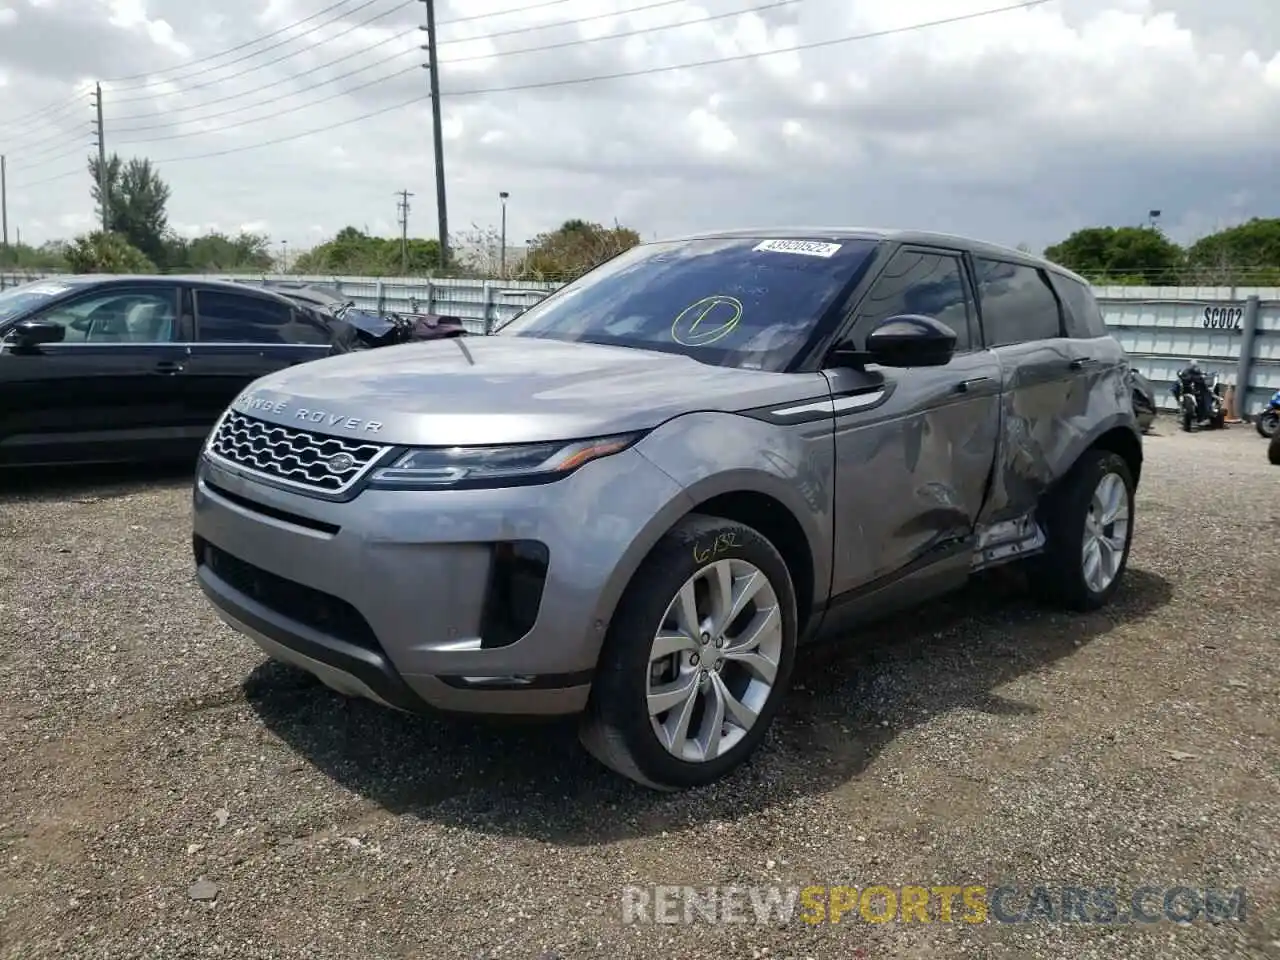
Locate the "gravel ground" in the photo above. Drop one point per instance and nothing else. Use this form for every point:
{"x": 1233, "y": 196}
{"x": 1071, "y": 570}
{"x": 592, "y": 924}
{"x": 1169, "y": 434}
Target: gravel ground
{"x": 164, "y": 792}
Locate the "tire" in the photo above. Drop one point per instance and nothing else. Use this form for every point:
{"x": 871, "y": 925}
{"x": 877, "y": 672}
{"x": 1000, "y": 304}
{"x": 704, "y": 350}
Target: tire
{"x": 1268, "y": 423}
{"x": 1059, "y": 575}
{"x": 1273, "y": 450}
{"x": 618, "y": 729}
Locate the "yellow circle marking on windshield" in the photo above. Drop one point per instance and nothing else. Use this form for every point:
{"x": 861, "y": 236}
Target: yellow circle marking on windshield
{"x": 708, "y": 320}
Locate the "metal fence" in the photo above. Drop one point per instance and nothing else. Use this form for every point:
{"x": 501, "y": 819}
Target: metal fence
{"x": 1233, "y": 331}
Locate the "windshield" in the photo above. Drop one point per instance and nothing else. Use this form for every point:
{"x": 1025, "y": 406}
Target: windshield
{"x": 737, "y": 302}
{"x": 22, "y": 298}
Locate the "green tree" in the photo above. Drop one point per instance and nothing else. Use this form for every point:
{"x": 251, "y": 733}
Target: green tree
{"x": 354, "y": 251}
{"x": 218, "y": 253}
{"x": 1119, "y": 255}
{"x": 100, "y": 252}
{"x": 22, "y": 256}
{"x": 574, "y": 248}
{"x": 1247, "y": 253}
{"x": 136, "y": 202}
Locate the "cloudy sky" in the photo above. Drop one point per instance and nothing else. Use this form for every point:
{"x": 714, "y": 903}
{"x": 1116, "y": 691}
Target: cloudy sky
{"x": 1016, "y": 127}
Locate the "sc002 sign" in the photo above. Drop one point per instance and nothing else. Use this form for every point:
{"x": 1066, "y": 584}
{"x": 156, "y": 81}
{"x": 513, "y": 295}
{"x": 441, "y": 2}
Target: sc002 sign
{"x": 1223, "y": 318}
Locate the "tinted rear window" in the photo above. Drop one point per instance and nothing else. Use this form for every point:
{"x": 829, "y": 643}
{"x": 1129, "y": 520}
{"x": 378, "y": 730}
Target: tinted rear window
{"x": 1084, "y": 317}
{"x": 733, "y": 302}
{"x": 1017, "y": 304}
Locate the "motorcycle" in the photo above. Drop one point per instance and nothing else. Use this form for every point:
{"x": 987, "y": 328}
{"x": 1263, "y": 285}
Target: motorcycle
{"x": 1214, "y": 417}
{"x": 1268, "y": 422}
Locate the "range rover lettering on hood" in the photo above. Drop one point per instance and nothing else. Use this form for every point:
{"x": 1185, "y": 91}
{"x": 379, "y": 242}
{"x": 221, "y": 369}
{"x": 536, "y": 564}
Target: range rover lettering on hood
{"x": 251, "y": 401}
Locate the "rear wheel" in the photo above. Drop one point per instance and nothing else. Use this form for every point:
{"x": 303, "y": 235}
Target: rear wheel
{"x": 697, "y": 658}
{"x": 1088, "y": 522}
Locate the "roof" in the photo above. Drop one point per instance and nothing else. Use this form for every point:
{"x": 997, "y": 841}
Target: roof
{"x": 142, "y": 278}
{"x": 880, "y": 234}
{"x": 90, "y": 279}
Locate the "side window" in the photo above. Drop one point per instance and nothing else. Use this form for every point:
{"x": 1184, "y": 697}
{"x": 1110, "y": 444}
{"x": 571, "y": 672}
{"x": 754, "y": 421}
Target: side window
{"x": 117, "y": 316}
{"x": 1084, "y": 318}
{"x": 1018, "y": 305}
{"x": 916, "y": 281}
{"x": 230, "y": 318}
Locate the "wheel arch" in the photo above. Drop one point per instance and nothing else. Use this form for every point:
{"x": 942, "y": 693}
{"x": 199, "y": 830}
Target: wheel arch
{"x": 752, "y": 497}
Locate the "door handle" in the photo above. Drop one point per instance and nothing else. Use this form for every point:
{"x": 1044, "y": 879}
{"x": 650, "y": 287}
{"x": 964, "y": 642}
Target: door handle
{"x": 1079, "y": 363}
{"x": 170, "y": 366}
{"x": 964, "y": 386}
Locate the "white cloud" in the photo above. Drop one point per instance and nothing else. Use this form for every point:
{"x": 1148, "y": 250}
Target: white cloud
{"x": 1015, "y": 127}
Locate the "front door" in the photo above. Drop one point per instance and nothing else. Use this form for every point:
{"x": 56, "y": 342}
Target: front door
{"x": 914, "y": 447}
{"x": 110, "y": 390}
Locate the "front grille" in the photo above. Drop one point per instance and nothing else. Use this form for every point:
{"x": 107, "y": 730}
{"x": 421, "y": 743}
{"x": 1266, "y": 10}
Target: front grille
{"x": 297, "y": 457}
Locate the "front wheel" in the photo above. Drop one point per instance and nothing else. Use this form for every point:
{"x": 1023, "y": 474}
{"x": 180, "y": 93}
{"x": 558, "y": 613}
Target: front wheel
{"x": 1268, "y": 423}
{"x": 1088, "y": 524}
{"x": 697, "y": 657}
{"x": 1273, "y": 449}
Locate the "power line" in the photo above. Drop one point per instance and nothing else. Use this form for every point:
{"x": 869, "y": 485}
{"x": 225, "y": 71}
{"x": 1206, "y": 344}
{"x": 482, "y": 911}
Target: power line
{"x": 392, "y": 39}
{"x": 237, "y": 48}
{"x": 412, "y": 68}
{"x": 773, "y": 4}
{"x": 57, "y": 105}
{"x": 602, "y": 77}
{"x": 553, "y": 46}
{"x": 59, "y": 108}
{"x": 260, "y": 103}
{"x": 187, "y": 88}
{"x": 735, "y": 58}
{"x": 61, "y": 112}
{"x": 255, "y": 146}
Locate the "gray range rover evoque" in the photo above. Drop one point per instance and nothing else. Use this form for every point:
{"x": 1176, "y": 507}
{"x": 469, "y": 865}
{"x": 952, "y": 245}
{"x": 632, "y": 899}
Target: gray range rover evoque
{"x": 640, "y": 497}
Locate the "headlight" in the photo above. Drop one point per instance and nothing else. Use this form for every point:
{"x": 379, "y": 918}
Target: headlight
{"x": 498, "y": 465}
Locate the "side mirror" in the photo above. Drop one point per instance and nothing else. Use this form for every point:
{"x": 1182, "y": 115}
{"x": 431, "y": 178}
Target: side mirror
{"x": 29, "y": 334}
{"x": 911, "y": 340}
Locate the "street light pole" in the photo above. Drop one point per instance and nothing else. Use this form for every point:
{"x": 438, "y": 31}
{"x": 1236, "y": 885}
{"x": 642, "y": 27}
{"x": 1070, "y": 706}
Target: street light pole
{"x": 503, "y": 255}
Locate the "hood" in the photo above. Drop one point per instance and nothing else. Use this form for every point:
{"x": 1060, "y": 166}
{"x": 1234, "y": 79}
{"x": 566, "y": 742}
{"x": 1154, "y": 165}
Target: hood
{"x": 489, "y": 390}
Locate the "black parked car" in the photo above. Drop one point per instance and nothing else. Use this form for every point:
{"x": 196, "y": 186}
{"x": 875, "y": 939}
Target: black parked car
{"x": 100, "y": 369}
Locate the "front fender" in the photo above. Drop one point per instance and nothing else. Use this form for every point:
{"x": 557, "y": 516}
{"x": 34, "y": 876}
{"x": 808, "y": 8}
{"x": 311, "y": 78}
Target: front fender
{"x": 709, "y": 454}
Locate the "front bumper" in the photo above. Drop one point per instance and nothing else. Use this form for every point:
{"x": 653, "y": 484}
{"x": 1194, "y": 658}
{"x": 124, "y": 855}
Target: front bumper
{"x": 390, "y": 595}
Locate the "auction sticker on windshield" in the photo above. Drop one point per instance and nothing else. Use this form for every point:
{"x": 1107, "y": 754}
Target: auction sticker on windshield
{"x": 807, "y": 248}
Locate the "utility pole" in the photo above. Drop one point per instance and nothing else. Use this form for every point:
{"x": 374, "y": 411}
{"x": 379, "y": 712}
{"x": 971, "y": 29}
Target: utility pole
{"x": 4, "y": 202}
{"x": 402, "y": 217}
{"x": 433, "y": 69}
{"x": 502, "y": 261}
{"x": 103, "y": 186}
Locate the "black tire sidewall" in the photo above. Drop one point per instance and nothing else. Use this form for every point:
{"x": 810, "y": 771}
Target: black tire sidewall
{"x": 620, "y": 696}
{"x": 1064, "y": 562}
{"x": 1268, "y": 422}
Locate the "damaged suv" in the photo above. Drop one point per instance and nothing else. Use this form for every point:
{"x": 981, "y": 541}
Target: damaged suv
{"x": 638, "y": 500}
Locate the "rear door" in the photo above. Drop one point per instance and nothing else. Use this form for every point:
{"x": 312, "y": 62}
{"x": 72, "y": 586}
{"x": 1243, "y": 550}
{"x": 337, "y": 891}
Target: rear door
{"x": 1046, "y": 378}
{"x": 111, "y": 390}
{"x": 914, "y": 447}
{"x": 239, "y": 336}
